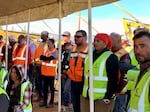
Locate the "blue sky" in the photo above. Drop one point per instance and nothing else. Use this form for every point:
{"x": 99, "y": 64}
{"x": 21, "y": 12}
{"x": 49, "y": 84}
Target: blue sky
{"x": 135, "y": 7}
{"x": 107, "y": 18}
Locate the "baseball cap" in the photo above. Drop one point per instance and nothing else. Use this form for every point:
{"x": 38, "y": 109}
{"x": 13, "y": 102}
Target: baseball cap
{"x": 69, "y": 43}
{"x": 44, "y": 33}
{"x": 66, "y": 33}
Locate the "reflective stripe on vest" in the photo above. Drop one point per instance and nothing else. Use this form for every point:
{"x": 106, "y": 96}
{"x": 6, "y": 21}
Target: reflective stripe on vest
{"x": 75, "y": 72}
{"x": 121, "y": 53}
{"x": 82, "y": 53}
{"x": 49, "y": 67}
{"x": 139, "y": 101}
{"x": 99, "y": 76}
{"x": 20, "y": 58}
{"x": 23, "y": 87}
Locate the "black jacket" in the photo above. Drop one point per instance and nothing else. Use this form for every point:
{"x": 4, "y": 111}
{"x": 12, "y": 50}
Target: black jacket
{"x": 112, "y": 67}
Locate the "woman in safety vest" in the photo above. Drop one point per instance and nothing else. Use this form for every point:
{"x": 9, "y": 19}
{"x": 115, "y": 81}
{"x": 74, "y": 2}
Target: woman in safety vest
{"x": 19, "y": 90}
{"x": 49, "y": 71}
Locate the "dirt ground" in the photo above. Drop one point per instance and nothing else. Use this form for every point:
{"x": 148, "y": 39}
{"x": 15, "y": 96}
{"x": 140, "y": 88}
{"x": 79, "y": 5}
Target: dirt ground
{"x": 36, "y": 107}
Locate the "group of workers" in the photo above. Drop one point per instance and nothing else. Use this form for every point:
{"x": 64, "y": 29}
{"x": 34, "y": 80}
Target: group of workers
{"x": 121, "y": 79}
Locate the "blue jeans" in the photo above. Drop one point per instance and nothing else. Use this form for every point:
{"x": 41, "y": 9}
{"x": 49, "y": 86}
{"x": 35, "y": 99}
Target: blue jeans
{"x": 66, "y": 90}
{"x": 120, "y": 103}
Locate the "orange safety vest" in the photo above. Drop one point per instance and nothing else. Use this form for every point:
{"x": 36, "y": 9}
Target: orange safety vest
{"x": 1, "y": 47}
{"x": 39, "y": 50}
{"x": 76, "y": 63}
{"x": 19, "y": 55}
{"x": 49, "y": 68}
{"x": 121, "y": 84}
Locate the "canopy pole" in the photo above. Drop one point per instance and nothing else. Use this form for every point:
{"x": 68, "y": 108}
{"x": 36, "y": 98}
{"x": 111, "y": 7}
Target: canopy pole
{"x": 90, "y": 56}
{"x": 59, "y": 56}
{"x": 79, "y": 17}
{"x": 28, "y": 36}
{"x": 6, "y": 48}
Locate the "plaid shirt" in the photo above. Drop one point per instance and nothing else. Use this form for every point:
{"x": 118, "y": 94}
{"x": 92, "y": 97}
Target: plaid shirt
{"x": 26, "y": 98}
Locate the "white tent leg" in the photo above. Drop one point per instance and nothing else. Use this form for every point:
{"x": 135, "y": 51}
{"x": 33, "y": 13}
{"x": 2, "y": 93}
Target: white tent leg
{"x": 28, "y": 36}
{"x": 90, "y": 56}
{"x": 59, "y": 57}
{"x": 6, "y": 48}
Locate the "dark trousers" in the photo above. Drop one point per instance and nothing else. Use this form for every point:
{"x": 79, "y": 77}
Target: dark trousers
{"x": 76, "y": 88}
{"x": 49, "y": 82}
{"x": 31, "y": 75}
{"x": 39, "y": 81}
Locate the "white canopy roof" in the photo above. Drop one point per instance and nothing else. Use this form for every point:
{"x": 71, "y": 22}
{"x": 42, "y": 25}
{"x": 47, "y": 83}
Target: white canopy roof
{"x": 17, "y": 11}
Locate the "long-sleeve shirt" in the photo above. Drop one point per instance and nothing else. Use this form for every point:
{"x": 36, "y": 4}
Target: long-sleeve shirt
{"x": 112, "y": 68}
{"x": 124, "y": 66}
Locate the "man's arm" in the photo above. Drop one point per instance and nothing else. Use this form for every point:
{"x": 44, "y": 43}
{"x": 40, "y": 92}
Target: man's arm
{"x": 112, "y": 68}
{"x": 125, "y": 64}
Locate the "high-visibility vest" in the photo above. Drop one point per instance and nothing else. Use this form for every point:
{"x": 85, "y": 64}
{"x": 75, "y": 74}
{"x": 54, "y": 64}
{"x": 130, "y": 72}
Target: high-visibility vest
{"x": 139, "y": 101}
{"x": 24, "y": 85}
{"x": 120, "y": 53}
{"x": 1, "y": 47}
{"x": 49, "y": 68}
{"x": 39, "y": 50}
{"x": 19, "y": 56}
{"x": 128, "y": 48}
{"x": 3, "y": 78}
{"x": 131, "y": 76}
{"x": 76, "y": 63}
{"x": 100, "y": 78}
{"x": 133, "y": 59}
{"x": 2, "y": 91}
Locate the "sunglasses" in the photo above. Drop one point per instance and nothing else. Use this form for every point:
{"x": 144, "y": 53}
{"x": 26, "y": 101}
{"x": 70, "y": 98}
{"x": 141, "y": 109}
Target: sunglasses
{"x": 78, "y": 36}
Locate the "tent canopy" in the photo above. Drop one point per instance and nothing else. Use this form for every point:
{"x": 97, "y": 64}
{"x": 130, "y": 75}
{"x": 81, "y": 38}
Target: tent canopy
{"x": 17, "y": 11}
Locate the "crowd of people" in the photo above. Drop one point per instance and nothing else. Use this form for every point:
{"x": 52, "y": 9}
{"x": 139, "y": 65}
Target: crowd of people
{"x": 121, "y": 77}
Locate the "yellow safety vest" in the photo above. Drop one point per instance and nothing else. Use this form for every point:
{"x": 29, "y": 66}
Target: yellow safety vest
{"x": 139, "y": 101}
{"x": 23, "y": 87}
{"x": 99, "y": 77}
{"x": 131, "y": 77}
{"x": 133, "y": 59}
{"x": 2, "y": 91}
{"x": 3, "y": 78}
